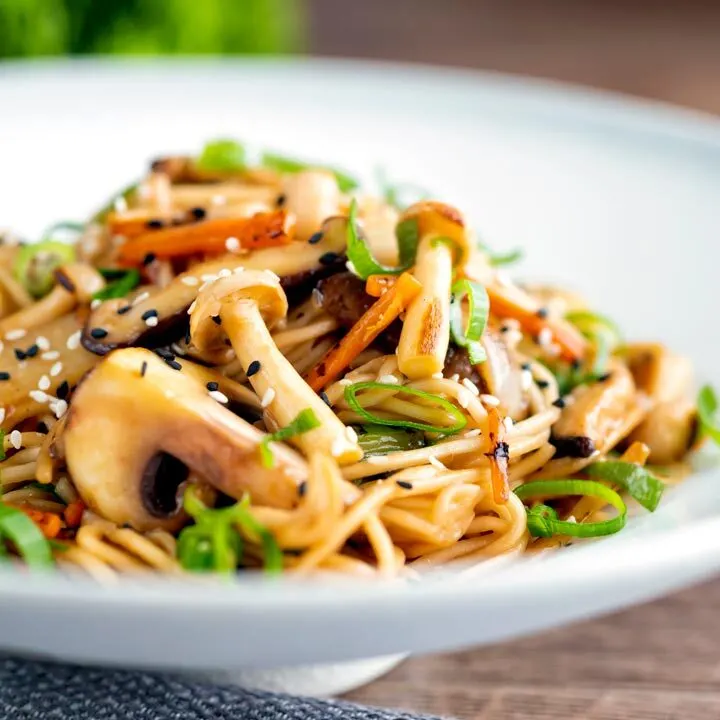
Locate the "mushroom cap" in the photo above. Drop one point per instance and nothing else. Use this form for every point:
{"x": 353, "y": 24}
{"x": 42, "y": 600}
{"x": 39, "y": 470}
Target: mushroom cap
{"x": 259, "y": 287}
{"x": 441, "y": 220}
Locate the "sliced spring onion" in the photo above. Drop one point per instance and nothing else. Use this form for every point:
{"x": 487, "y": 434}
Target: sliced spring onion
{"x": 26, "y": 536}
{"x": 499, "y": 259}
{"x": 128, "y": 280}
{"x": 637, "y": 481}
{"x": 284, "y": 164}
{"x": 306, "y": 420}
{"x": 2, "y": 447}
{"x": 214, "y": 543}
{"x": 351, "y": 399}
{"x": 543, "y": 520}
{"x": 707, "y": 405}
{"x": 379, "y": 440}
{"x": 478, "y": 310}
{"x": 602, "y": 332}
{"x": 361, "y": 257}
{"x": 222, "y": 155}
{"x": 35, "y": 265}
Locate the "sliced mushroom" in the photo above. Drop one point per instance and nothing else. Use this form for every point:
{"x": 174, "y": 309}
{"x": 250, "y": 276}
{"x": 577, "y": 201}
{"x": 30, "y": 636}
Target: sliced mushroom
{"x": 312, "y": 196}
{"x": 135, "y": 430}
{"x": 378, "y": 221}
{"x": 669, "y": 430}
{"x": 502, "y": 376}
{"x": 426, "y": 331}
{"x": 65, "y": 361}
{"x": 298, "y": 264}
{"x": 662, "y": 375}
{"x": 242, "y": 307}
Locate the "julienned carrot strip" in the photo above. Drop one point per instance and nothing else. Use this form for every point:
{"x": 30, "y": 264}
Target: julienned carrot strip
{"x": 49, "y": 523}
{"x": 498, "y": 457}
{"x": 73, "y": 513}
{"x": 378, "y": 316}
{"x": 131, "y": 223}
{"x": 504, "y": 304}
{"x": 377, "y": 285}
{"x": 210, "y": 237}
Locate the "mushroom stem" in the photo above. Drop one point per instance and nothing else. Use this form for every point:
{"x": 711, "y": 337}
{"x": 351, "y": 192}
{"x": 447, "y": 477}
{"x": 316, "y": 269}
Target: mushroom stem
{"x": 277, "y": 380}
{"x": 58, "y": 302}
{"x": 426, "y": 331}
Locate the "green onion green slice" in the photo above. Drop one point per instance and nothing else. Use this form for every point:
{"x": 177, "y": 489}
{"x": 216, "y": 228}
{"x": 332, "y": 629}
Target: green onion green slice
{"x": 381, "y": 440}
{"x": 707, "y": 406}
{"x": 284, "y": 164}
{"x": 478, "y": 310}
{"x": 306, "y": 420}
{"x": 126, "y": 282}
{"x": 636, "y": 480}
{"x": 26, "y": 536}
{"x": 500, "y": 259}
{"x": 222, "y": 155}
{"x": 35, "y": 265}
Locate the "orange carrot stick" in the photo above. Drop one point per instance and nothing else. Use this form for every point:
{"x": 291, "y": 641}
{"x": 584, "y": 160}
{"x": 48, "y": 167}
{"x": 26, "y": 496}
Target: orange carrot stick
{"x": 73, "y": 513}
{"x": 498, "y": 457}
{"x": 132, "y": 223}
{"x": 506, "y": 304}
{"x": 377, "y": 285}
{"x": 210, "y": 237}
{"x": 49, "y": 523}
{"x": 378, "y": 316}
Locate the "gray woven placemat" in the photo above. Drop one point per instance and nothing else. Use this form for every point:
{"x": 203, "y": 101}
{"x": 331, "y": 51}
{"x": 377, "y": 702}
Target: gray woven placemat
{"x": 31, "y": 690}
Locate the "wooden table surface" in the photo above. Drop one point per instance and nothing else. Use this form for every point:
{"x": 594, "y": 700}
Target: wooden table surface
{"x": 659, "y": 661}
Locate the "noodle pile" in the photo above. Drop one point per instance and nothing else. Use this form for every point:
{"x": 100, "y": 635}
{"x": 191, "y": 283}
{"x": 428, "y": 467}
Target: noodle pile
{"x": 237, "y": 366}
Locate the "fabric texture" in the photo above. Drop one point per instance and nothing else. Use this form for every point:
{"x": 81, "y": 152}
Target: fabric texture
{"x": 32, "y": 690}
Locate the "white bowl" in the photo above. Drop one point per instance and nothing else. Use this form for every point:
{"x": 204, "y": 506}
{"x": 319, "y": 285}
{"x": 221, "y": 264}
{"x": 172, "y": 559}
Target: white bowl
{"x": 615, "y": 197}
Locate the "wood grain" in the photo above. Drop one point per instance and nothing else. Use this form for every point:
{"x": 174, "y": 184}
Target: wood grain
{"x": 655, "y": 662}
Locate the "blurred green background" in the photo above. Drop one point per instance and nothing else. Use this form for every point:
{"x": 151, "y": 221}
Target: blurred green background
{"x": 149, "y": 27}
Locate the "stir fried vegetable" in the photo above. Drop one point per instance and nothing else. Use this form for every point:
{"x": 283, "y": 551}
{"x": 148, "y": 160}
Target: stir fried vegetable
{"x": 707, "y": 412}
{"x": 35, "y": 265}
{"x": 478, "y": 308}
{"x": 380, "y": 440}
{"x": 305, "y": 421}
{"x": 28, "y": 539}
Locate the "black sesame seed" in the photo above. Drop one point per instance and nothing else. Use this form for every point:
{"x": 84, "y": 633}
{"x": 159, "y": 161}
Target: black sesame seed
{"x": 98, "y": 333}
{"x": 63, "y": 389}
{"x": 525, "y": 366}
{"x": 604, "y": 377}
{"x": 505, "y": 328}
{"x": 212, "y": 386}
{"x": 42, "y": 428}
{"x": 542, "y": 384}
{"x": 143, "y": 368}
{"x": 302, "y": 488}
{"x": 149, "y": 314}
{"x": 187, "y": 335}
{"x": 316, "y": 238}
{"x": 542, "y": 312}
{"x": 174, "y": 364}
{"x": 149, "y": 258}
{"x": 164, "y": 353}
{"x": 4, "y": 375}
{"x": 154, "y": 224}
{"x": 324, "y": 397}
{"x": 559, "y": 403}
{"x": 329, "y": 258}
{"x": 198, "y": 213}
{"x": 216, "y": 319}
{"x": 32, "y": 351}
{"x": 281, "y": 200}
{"x": 124, "y": 309}
{"x": 576, "y": 364}
{"x": 19, "y": 354}
{"x": 404, "y": 484}
{"x": 253, "y": 367}
{"x": 65, "y": 281}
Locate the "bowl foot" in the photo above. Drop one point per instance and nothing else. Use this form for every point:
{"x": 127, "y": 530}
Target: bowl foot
{"x": 321, "y": 680}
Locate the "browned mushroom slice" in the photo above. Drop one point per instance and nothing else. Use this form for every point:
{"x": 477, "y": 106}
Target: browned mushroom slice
{"x": 669, "y": 430}
{"x": 135, "y": 430}
{"x": 119, "y": 323}
{"x": 662, "y": 375}
{"x": 38, "y": 375}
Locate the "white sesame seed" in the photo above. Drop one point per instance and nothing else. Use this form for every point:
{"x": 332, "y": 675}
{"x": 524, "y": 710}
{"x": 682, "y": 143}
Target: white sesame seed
{"x": 39, "y": 396}
{"x": 351, "y": 435}
{"x": 344, "y": 382}
{"x": 189, "y": 280}
{"x": 351, "y": 267}
{"x": 142, "y": 297}
{"x": 267, "y": 398}
{"x": 208, "y": 278}
{"x": 16, "y": 439}
{"x": 553, "y": 350}
{"x": 56, "y": 369}
{"x": 545, "y": 337}
{"x": 95, "y": 304}
{"x": 437, "y": 376}
{"x": 59, "y": 407}
{"x": 463, "y": 398}
{"x": 152, "y": 321}
{"x": 571, "y": 519}
{"x": 526, "y": 380}
{"x": 192, "y": 307}
{"x": 508, "y": 423}
{"x": 388, "y": 380}
{"x": 15, "y": 334}
{"x": 42, "y": 342}
{"x": 218, "y": 200}
{"x": 338, "y": 447}
{"x": 225, "y": 272}
{"x": 490, "y": 400}
{"x": 455, "y": 377}
{"x": 436, "y": 463}
{"x": 73, "y": 342}
{"x": 2, "y": 414}
{"x": 473, "y": 433}
{"x": 471, "y": 386}
{"x": 220, "y": 397}
{"x": 50, "y": 355}
{"x": 232, "y": 244}
{"x": 44, "y": 383}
